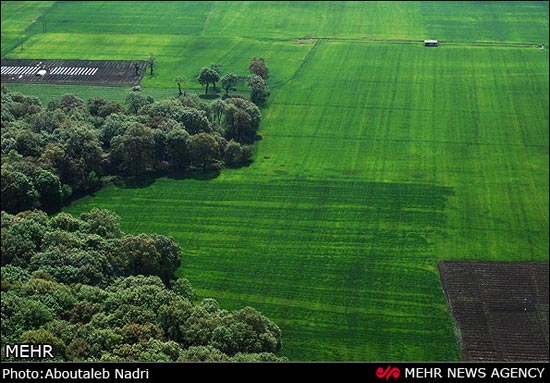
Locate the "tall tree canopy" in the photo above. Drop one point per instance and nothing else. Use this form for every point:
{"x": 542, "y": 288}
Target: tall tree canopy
{"x": 258, "y": 67}
{"x": 208, "y": 76}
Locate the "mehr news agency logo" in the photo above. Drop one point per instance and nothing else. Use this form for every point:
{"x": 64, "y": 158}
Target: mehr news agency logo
{"x": 394, "y": 373}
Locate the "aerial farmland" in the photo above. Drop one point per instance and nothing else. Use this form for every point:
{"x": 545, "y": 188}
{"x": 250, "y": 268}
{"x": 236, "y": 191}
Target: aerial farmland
{"x": 379, "y": 160}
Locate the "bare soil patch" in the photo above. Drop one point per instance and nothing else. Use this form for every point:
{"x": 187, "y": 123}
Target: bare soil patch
{"x": 73, "y": 72}
{"x": 501, "y": 309}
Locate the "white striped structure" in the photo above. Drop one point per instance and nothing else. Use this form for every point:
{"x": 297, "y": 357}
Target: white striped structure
{"x": 64, "y": 71}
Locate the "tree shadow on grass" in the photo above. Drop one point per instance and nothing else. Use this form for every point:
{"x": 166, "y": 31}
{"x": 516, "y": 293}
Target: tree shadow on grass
{"x": 191, "y": 174}
{"x": 139, "y": 182}
{"x": 145, "y": 181}
{"x": 205, "y": 176}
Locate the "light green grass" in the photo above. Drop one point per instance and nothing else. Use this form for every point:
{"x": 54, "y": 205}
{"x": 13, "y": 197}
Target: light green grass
{"x": 377, "y": 159}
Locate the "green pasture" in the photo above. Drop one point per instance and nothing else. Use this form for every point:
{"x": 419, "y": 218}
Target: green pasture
{"x": 377, "y": 159}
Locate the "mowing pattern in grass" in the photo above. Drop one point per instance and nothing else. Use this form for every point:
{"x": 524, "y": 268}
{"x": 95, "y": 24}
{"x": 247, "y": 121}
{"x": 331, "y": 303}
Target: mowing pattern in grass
{"x": 501, "y": 308}
{"x": 377, "y": 160}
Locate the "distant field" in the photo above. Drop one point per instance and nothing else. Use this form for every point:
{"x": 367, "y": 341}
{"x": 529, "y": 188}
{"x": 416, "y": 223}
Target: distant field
{"x": 17, "y": 18}
{"x": 377, "y": 160}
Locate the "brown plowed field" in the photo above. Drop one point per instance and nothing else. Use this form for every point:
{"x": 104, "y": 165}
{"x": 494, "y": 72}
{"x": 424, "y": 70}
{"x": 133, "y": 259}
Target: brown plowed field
{"x": 89, "y": 72}
{"x": 500, "y": 308}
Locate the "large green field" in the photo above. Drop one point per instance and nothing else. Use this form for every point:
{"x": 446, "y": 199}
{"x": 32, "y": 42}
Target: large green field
{"x": 378, "y": 157}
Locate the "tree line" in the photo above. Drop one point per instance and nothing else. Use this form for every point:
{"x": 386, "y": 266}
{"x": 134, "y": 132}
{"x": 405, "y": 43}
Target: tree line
{"x": 97, "y": 294}
{"x": 51, "y": 154}
{"x": 257, "y": 81}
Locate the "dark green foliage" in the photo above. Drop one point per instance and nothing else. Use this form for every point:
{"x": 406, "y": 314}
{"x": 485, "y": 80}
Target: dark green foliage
{"x": 113, "y": 126}
{"x": 177, "y": 145}
{"x": 137, "y": 255}
{"x": 203, "y": 354}
{"x": 241, "y": 120}
{"x": 13, "y": 277}
{"x": 29, "y": 143}
{"x": 102, "y": 222}
{"x": 136, "y": 101}
{"x": 256, "y": 357}
{"x": 22, "y": 238}
{"x": 42, "y": 336}
{"x": 48, "y": 121}
{"x": 135, "y": 149}
{"x": 151, "y": 63}
{"x": 258, "y": 89}
{"x": 65, "y": 222}
{"x": 73, "y": 265}
{"x": 217, "y": 107}
{"x": 48, "y": 187}
{"x": 183, "y": 288}
{"x": 70, "y": 104}
{"x": 247, "y": 330}
{"x": 204, "y": 151}
{"x": 82, "y": 312}
{"x": 81, "y": 157}
{"x": 236, "y": 155}
{"x": 103, "y": 108}
{"x": 194, "y": 120}
{"x": 18, "y": 192}
{"x": 208, "y": 76}
{"x": 257, "y": 67}
{"x": 229, "y": 81}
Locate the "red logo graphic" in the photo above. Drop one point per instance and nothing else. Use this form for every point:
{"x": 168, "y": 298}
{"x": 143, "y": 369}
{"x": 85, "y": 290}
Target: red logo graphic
{"x": 389, "y": 372}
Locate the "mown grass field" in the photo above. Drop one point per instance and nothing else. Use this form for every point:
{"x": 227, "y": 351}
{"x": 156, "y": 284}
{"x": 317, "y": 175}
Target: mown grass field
{"x": 377, "y": 160}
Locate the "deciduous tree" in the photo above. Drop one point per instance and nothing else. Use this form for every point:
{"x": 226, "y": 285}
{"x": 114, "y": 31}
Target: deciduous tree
{"x": 204, "y": 150}
{"x": 229, "y": 80}
{"x": 258, "y": 89}
{"x": 208, "y": 76}
{"x": 257, "y": 67}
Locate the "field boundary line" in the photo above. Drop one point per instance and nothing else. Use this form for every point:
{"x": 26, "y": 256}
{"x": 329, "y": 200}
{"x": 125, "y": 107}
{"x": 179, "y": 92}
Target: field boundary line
{"x": 306, "y": 60}
{"x": 414, "y": 41}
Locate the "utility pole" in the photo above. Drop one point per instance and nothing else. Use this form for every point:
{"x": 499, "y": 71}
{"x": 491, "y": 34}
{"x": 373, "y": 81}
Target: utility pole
{"x": 44, "y": 25}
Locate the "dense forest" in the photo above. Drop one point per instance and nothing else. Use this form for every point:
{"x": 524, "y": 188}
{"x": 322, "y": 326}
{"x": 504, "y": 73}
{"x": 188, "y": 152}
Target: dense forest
{"x": 71, "y": 147}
